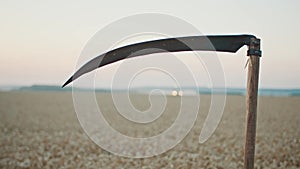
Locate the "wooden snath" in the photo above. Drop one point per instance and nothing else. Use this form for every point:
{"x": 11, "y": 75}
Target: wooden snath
{"x": 251, "y": 102}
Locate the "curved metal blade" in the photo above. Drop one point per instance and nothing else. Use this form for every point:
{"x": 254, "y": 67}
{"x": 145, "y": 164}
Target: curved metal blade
{"x": 220, "y": 43}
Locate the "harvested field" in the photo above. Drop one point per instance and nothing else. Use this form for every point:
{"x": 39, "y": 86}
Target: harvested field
{"x": 41, "y": 130}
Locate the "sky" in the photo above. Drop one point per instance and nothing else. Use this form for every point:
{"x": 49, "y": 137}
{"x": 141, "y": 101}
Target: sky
{"x": 41, "y": 40}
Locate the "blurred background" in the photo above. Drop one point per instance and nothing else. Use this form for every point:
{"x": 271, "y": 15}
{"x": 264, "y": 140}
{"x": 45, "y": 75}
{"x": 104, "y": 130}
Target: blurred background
{"x": 41, "y": 41}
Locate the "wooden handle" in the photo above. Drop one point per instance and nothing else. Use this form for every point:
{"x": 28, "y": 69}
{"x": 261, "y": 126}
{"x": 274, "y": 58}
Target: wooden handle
{"x": 251, "y": 105}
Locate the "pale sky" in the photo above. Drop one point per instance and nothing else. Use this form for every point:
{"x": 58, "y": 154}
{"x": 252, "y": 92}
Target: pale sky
{"x": 40, "y": 41}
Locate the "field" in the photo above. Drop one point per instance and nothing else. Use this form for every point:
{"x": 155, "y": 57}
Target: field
{"x": 41, "y": 130}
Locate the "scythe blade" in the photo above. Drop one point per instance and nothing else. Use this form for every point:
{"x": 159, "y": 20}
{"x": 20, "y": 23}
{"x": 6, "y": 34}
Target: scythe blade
{"x": 219, "y": 43}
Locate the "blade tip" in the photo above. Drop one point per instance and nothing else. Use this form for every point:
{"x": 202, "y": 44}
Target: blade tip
{"x": 67, "y": 82}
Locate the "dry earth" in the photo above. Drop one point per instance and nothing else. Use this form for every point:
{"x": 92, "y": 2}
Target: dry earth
{"x": 41, "y": 130}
